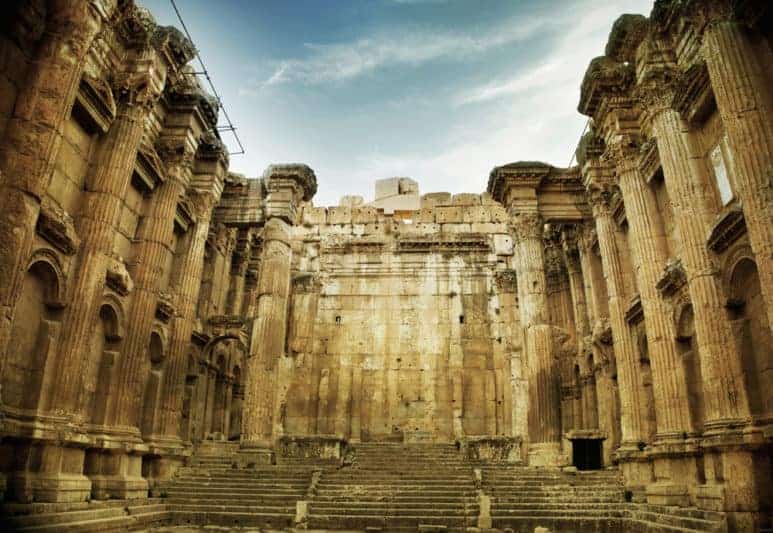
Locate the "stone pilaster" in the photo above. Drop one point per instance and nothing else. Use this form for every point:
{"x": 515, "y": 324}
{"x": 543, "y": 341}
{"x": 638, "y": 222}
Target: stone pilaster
{"x": 544, "y": 394}
{"x": 33, "y": 136}
{"x": 745, "y": 101}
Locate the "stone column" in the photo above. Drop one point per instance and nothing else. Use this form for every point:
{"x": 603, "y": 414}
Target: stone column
{"x": 745, "y": 102}
{"x": 153, "y": 251}
{"x": 268, "y": 336}
{"x": 264, "y": 398}
{"x": 207, "y": 186}
{"x": 544, "y": 394}
{"x": 635, "y": 471}
{"x": 674, "y": 469}
{"x": 687, "y": 178}
{"x": 97, "y": 224}
{"x": 33, "y": 136}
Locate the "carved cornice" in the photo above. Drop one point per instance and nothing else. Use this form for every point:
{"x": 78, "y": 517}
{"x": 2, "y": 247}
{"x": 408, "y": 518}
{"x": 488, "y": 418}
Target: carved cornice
{"x": 506, "y": 280}
{"x": 95, "y": 98}
{"x": 185, "y": 214}
{"x": 149, "y": 166}
{"x": 519, "y": 174}
{"x": 141, "y": 84}
{"x": 649, "y": 160}
{"x": 56, "y": 226}
{"x": 591, "y": 146}
{"x": 604, "y": 77}
{"x": 468, "y": 242}
{"x": 211, "y": 147}
{"x": 173, "y": 45}
{"x": 185, "y": 93}
{"x": 729, "y": 228}
{"x": 136, "y": 26}
{"x": 526, "y": 225}
{"x": 694, "y": 98}
{"x": 280, "y": 176}
{"x": 673, "y": 278}
{"x": 628, "y": 31}
{"x": 635, "y": 313}
{"x": 176, "y": 151}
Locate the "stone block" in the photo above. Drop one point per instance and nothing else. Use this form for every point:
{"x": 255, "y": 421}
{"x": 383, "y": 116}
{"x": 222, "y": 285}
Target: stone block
{"x": 456, "y": 228}
{"x": 465, "y": 199}
{"x": 449, "y": 215}
{"x": 339, "y": 215}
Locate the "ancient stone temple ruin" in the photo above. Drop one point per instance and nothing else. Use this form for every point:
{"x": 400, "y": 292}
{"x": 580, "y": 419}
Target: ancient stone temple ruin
{"x": 584, "y": 348}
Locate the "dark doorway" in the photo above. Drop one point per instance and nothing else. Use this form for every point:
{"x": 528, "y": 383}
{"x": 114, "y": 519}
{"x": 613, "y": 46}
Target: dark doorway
{"x": 586, "y": 454}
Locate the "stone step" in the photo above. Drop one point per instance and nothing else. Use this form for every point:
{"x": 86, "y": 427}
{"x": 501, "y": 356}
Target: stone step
{"x": 32, "y": 520}
{"x": 267, "y": 500}
{"x": 395, "y": 512}
{"x": 411, "y": 484}
{"x": 239, "y": 483}
{"x": 440, "y": 505}
{"x": 387, "y": 523}
{"x": 389, "y": 491}
{"x": 244, "y": 489}
{"x": 99, "y": 525}
{"x": 673, "y": 518}
{"x": 209, "y": 507}
{"x": 251, "y": 519}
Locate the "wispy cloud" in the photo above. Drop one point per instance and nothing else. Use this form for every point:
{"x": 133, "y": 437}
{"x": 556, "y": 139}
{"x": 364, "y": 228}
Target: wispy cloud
{"x": 336, "y": 62}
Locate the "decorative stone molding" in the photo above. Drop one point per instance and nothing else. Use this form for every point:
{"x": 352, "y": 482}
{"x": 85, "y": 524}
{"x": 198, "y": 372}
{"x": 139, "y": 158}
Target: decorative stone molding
{"x": 604, "y": 77}
{"x": 443, "y": 243}
{"x": 186, "y": 94}
{"x": 173, "y": 45}
{"x": 628, "y": 31}
{"x": 136, "y": 26}
{"x": 280, "y": 176}
{"x": 176, "y": 150}
{"x": 118, "y": 279}
{"x": 95, "y": 98}
{"x": 306, "y": 283}
{"x": 314, "y": 447}
{"x": 602, "y": 332}
{"x": 693, "y": 98}
{"x": 492, "y": 449}
{"x": 56, "y": 226}
{"x": 520, "y": 174}
{"x": 506, "y": 280}
{"x": 149, "y": 166}
{"x": 728, "y": 229}
{"x": 649, "y": 161}
{"x": 185, "y": 214}
{"x": 674, "y": 278}
{"x": 211, "y": 147}
{"x": 635, "y": 312}
{"x": 165, "y": 307}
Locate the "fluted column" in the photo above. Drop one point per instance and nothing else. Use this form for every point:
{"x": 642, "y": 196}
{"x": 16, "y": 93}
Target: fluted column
{"x": 576, "y": 285}
{"x": 188, "y": 282}
{"x": 745, "y": 102}
{"x": 647, "y": 249}
{"x": 33, "y": 136}
{"x": 268, "y": 335}
{"x": 687, "y": 178}
{"x": 626, "y": 354}
{"x": 97, "y": 222}
{"x": 544, "y": 394}
{"x": 153, "y": 249}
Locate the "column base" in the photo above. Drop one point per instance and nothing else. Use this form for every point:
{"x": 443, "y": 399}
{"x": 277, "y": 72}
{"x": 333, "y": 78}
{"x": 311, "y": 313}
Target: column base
{"x": 252, "y": 454}
{"x": 668, "y": 493}
{"x": 28, "y": 487}
{"x": 115, "y": 474}
{"x": 676, "y": 472}
{"x": 636, "y": 469}
{"x": 547, "y": 454}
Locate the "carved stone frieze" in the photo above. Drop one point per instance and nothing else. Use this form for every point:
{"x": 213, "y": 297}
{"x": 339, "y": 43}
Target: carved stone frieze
{"x": 674, "y": 278}
{"x": 95, "y": 98}
{"x": 56, "y": 226}
{"x": 149, "y": 167}
{"x": 635, "y": 312}
{"x": 693, "y": 97}
{"x": 649, "y": 162}
{"x": 306, "y": 283}
{"x": 728, "y": 229}
{"x": 165, "y": 307}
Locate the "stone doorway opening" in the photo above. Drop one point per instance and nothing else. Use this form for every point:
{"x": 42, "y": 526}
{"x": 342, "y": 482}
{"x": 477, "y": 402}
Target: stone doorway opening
{"x": 586, "y": 454}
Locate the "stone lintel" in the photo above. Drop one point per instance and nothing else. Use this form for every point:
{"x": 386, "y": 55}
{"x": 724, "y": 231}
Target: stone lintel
{"x": 730, "y": 226}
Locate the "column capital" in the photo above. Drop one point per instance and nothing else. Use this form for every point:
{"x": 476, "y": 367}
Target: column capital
{"x": 526, "y": 225}
{"x": 600, "y": 199}
{"x": 177, "y": 152}
{"x": 623, "y": 150}
{"x": 288, "y": 185}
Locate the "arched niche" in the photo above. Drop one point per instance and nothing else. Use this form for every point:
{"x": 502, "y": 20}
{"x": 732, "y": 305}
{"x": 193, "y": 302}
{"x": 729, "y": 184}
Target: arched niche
{"x": 747, "y": 312}
{"x": 151, "y": 398}
{"x": 105, "y": 350}
{"x": 34, "y": 331}
{"x": 687, "y": 346}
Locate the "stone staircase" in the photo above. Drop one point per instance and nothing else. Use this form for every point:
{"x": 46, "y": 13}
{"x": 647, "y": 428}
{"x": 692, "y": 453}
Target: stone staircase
{"x": 524, "y": 498}
{"x": 96, "y": 516}
{"x": 211, "y": 491}
{"x": 396, "y": 487}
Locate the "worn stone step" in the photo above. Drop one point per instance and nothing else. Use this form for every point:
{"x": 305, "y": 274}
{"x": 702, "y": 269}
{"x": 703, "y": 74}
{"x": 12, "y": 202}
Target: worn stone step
{"x": 233, "y": 507}
{"x": 208, "y": 482}
{"x": 32, "y": 520}
{"x": 673, "y": 518}
{"x": 252, "y": 519}
{"x": 116, "y": 523}
{"x": 266, "y": 500}
{"x": 388, "y": 523}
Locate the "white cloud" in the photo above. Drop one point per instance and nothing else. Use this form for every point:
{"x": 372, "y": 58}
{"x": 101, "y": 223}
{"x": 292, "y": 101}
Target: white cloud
{"x": 336, "y": 62}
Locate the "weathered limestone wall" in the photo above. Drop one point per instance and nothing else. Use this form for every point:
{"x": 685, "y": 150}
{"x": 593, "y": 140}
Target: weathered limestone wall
{"x": 398, "y": 325}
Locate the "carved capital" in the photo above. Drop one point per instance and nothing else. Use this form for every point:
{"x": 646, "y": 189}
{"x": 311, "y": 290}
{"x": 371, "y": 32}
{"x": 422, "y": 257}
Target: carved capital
{"x": 526, "y": 225}
{"x": 600, "y": 199}
{"x": 656, "y": 91}
{"x": 136, "y": 26}
{"x": 506, "y": 280}
{"x": 176, "y": 151}
{"x": 118, "y": 279}
{"x": 623, "y": 150}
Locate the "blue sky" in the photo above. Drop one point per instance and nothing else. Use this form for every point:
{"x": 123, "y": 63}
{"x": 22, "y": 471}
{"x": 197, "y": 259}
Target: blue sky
{"x": 438, "y": 90}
